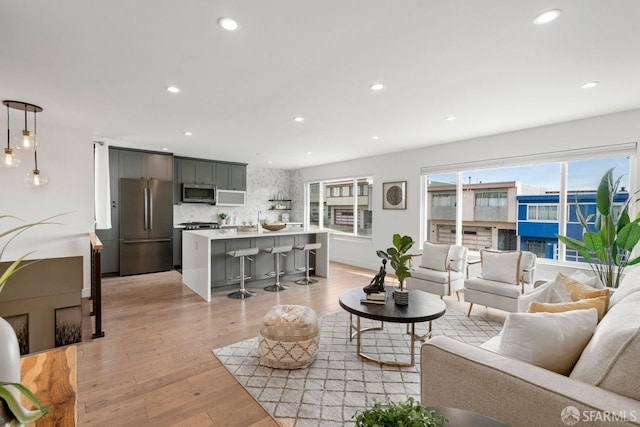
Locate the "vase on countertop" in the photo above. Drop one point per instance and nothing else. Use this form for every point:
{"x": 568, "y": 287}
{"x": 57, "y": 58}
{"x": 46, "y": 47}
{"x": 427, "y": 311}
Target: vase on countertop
{"x": 9, "y": 368}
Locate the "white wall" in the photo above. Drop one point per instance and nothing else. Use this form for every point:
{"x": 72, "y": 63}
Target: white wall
{"x": 66, "y": 158}
{"x": 405, "y": 166}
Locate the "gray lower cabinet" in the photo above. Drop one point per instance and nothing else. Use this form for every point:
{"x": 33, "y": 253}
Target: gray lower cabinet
{"x": 225, "y": 270}
{"x": 177, "y": 247}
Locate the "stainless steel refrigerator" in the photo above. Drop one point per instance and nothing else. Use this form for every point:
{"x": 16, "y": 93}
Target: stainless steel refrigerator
{"x": 146, "y": 225}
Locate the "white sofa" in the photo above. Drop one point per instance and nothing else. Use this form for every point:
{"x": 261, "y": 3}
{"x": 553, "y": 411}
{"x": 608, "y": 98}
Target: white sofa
{"x": 441, "y": 270}
{"x": 605, "y": 381}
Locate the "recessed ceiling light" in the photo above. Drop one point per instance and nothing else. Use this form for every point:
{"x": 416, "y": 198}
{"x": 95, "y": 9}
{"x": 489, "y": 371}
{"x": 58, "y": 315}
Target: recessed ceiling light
{"x": 377, "y": 86}
{"x": 375, "y": 137}
{"x": 589, "y": 85}
{"x": 228, "y": 24}
{"x": 547, "y": 16}
{"x": 173, "y": 89}
{"x": 188, "y": 133}
{"x": 298, "y": 119}
{"x": 309, "y": 152}
{"x": 269, "y": 161}
{"x": 451, "y": 118}
{"x": 165, "y": 149}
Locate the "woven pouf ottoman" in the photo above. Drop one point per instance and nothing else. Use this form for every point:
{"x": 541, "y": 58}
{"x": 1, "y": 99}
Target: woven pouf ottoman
{"x": 289, "y": 337}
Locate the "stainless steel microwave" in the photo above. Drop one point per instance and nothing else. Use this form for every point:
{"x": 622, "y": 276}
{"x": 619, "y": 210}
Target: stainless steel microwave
{"x": 199, "y": 193}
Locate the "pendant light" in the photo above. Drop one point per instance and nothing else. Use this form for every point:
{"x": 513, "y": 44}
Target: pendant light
{"x": 9, "y": 159}
{"x": 28, "y": 141}
{"x": 34, "y": 179}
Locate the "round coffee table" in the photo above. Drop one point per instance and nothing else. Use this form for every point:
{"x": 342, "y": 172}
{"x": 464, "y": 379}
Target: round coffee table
{"x": 423, "y": 307}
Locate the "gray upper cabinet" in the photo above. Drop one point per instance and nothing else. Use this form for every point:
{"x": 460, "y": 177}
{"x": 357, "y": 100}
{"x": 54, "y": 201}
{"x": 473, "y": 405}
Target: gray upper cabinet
{"x": 192, "y": 171}
{"x": 231, "y": 176}
{"x": 139, "y": 164}
{"x": 160, "y": 166}
{"x": 205, "y": 172}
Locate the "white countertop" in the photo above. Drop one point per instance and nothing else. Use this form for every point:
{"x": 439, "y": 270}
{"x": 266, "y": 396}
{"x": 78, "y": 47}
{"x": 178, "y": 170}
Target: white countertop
{"x": 235, "y": 234}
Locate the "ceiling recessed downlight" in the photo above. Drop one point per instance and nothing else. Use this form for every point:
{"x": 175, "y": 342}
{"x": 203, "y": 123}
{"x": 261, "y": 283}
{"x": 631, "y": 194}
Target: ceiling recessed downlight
{"x": 165, "y": 149}
{"x": 589, "y": 85}
{"x": 309, "y": 152}
{"x": 228, "y": 24}
{"x": 298, "y": 119}
{"x": 173, "y": 89}
{"x": 377, "y": 86}
{"x": 375, "y": 137}
{"x": 451, "y": 118}
{"x": 547, "y": 16}
{"x": 188, "y": 133}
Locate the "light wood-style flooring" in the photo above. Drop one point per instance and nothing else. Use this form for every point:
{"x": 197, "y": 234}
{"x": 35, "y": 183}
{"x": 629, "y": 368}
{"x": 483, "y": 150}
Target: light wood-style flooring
{"x": 155, "y": 366}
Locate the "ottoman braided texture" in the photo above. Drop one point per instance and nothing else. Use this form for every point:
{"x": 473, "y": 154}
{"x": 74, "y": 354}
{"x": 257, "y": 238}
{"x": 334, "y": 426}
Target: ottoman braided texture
{"x": 289, "y": 337}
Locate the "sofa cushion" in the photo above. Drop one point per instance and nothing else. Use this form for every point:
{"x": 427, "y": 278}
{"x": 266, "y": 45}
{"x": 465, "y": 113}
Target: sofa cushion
{"x": 492, "y": 287}
{"x": 598, "y": 303}
{"x": 630, "y": 284}
{"x": 611, "y": 359}
{"x": 492, "y": 344}
{"x": 435, "y": 275}
{"x": 553, "y": 341}
{"x": 580, "y": 291}
{"x": 589, "y": 280}
{"x": 501, "y": 266}
{"x": 435, "y": 256}
{"x": 539, "y": 294}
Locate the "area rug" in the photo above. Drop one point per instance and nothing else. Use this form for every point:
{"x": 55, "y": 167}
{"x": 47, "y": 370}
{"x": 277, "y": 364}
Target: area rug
{"x": 339, "y": 383}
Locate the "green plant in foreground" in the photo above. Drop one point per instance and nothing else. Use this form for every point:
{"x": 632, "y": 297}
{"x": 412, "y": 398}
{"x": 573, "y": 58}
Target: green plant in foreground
{"x": 407, "y": 414}
{"x": 398, "y": 258}
{"x": 21, "y": 414}
{"x": 614, "y": 232}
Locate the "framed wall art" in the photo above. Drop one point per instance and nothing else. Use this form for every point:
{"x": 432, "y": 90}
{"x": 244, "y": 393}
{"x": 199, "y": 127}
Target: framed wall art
{"x": 68, "y": 325}
{"x": 394, "y": 195}
{"x": 20, "y": 324}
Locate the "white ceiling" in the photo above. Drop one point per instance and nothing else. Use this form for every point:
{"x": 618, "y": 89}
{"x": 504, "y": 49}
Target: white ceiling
{"x": 105, "y": 65}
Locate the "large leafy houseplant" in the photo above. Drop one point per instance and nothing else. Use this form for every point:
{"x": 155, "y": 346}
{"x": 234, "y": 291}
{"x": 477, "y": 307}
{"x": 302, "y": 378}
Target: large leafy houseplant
{"x": 408, "y": 414}
{"x": 9, "y": 390}
{"x": 398, "y": 257}
{"x": 607, "y": 246}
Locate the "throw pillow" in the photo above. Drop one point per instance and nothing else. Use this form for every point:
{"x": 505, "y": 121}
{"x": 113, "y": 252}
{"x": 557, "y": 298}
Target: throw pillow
{"x": 592, "y": 281}
{"x": 579, "y": 291}
{"x": 552, "y": 341}
{"x": 598, "y": 303}
{"x": 539, "y": 294}
{"x": 435, "y": 256}
{"x": 501, "y": 266}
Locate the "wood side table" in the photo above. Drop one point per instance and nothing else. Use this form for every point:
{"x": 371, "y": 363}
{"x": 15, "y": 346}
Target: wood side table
{"x": 52, "y": 377}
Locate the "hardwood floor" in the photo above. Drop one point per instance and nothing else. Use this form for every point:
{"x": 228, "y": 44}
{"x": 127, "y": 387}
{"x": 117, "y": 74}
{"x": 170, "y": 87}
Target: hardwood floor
{"x": 155, "y": 365}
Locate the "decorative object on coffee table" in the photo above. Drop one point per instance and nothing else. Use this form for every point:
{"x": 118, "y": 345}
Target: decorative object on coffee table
{"x": 394, "y": 195}
{"x": 608, "y": 248}
{"x": 400, "y": 261}
{"x": 377, "y": 283}
{"x": 289, "y": 337}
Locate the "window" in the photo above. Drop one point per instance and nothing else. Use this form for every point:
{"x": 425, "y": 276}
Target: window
{"x": 542, "y": 212}
{"x": 491, "y": 198}
{"x": 519, "y": 207}
{"x": 332, "y": 206}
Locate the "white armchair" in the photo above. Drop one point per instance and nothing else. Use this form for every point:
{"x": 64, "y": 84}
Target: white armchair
{"x": 441, "y": 269}
{"x": 502, "y": 280}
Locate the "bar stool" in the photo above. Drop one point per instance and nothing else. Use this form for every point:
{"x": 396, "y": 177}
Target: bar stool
{"x": 309, "y": 247}
{"x": 277, "y": 251}
{"x": 242, "y": 253}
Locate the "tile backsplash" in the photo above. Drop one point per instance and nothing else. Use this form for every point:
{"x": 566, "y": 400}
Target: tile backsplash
{"x": 262, "y": 184}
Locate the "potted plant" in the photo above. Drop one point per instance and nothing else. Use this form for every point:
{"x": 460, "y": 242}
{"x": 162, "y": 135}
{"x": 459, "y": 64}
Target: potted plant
{"x": 399, "y": 260}
{"x": 408, "y": 414}
{"x": 10, "y": 388}
{"x": 223, "y": 217}
{"x": 608, "y": 244}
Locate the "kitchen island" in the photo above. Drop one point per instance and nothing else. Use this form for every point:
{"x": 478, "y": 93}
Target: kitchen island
{"x": 205, "y": 264}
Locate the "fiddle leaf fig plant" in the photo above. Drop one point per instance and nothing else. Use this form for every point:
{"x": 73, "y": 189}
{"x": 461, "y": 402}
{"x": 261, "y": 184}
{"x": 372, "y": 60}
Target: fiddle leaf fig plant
{"x": 407, "y": 414}
{"x": 398, "y": 258}
{"x": 607, "y": 245}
